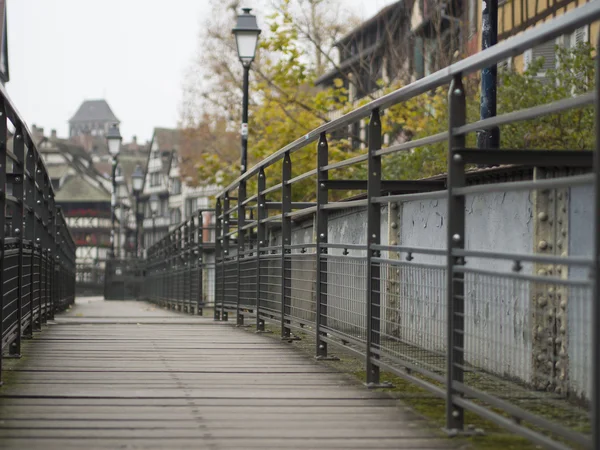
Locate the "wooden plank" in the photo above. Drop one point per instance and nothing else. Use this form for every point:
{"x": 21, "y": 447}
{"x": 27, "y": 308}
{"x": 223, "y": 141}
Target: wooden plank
{"x": 129, "y": 375}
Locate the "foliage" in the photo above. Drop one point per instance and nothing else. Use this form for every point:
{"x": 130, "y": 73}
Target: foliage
{"x": 285, "y": 105}
{"x": 572, "y": 129}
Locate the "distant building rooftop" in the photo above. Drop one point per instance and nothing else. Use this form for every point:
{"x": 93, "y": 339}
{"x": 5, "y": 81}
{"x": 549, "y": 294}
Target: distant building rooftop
{"x": 94, "y": 111}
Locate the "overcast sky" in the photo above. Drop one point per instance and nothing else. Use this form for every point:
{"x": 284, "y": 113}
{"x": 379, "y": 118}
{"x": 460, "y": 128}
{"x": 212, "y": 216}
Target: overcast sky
{"x": 133, "y": 53}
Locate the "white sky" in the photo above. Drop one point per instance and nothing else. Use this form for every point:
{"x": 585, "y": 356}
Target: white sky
{"x": 133, "y": 53}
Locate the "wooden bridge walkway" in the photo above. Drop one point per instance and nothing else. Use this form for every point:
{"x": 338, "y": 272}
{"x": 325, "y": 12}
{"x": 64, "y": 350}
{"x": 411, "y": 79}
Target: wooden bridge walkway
{"x": 128, "y": 375}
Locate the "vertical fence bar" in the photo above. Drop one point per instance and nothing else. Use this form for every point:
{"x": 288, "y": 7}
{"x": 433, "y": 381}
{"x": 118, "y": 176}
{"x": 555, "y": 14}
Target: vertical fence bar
{"x": 190, "y": 259}
{"x": 286, "y": 240}
{"x": 200, "y": 259}
{"x": 241, "y": 213}
{"x": 18, "y": 192}
{"x": 321, "y": 250}
{"x": 29, "y": 231}
{"x": 218, "y": 256}
{"x": 45, "y": 245}
{"x": 261, "y": 236}
{"x": 225, "y": 247}
{"x": 595, "y": 271}
{"x": 3, "y": 138}
{"x": 39, "y": 230}
{"x": 51, "y": 251}
{"x": 455, "y": 240}
{"x": 373, "y": 238}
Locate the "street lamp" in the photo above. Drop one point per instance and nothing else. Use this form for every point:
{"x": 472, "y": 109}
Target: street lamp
{"x": 137, "y": 181}
{"x": 153, "y": 209}
{"x": 113, "y": 139}
{"x": 246, "y": 33}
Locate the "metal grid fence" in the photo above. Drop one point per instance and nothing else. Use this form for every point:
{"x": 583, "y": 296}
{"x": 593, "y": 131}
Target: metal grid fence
{"x": 508, "y": 332}
{"x": 179, "y": 271}
{"x": 37, "y": 266}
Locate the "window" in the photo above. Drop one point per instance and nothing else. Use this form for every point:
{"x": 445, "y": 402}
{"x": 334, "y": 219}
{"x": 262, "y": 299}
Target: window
{"x": 191, "y": 205}
{"x": 175, "y": 186}
{"x": 547, "y": 50}
{"x": 154, "y": 179}
{"x": 175, "y": 216}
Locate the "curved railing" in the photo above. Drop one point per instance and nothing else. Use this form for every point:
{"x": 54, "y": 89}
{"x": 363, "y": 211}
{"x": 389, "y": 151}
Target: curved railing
{"x": 469, "y": 285}
{"x": 37, "y": 268}
{"x": 180, "y": 268}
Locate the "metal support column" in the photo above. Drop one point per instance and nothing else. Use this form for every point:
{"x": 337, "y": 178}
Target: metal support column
{"x": 17, "y": 225}
{"x": 455, "y": 240}
{"x": 373, "y": 238}
{"x": 29, "y": 232}
{"x": 241, "y": 220}
{"x": 219, "y": 272}
{"x": 286, "y": 241}
{"x": 595, "y": 271}
{"x": 261, "y": 236}
{"x": 224, "y": 314}
{"x": 200, "y": 263}
{"x": 3, "y": 142}
{"x": 321, "y": 249}
{"x": 489, "y": 37}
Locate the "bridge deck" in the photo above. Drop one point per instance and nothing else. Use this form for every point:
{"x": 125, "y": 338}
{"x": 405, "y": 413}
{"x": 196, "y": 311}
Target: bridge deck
{"x": 127, "y": 375}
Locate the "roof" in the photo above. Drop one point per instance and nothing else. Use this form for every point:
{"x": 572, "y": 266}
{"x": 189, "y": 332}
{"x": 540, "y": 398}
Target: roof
{"x": 80, "y": 189}
{"x": 167, "y": 138}
{"x": 389, "y": 12}
{"x": 94, "y": 110}
{"x": 367, "y": 23}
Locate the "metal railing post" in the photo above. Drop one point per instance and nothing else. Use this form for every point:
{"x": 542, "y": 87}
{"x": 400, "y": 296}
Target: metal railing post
{"x": 17, "y": 225}
{"x": 218, "y": 255}
{"x": 455, "y": 240}
{"x": 286, "y": 240}
{"x": 373, "y": 300}
{"x": 594, "y": 272}
{"x": 200, "y": 262}
{"x": 29, "y": 232}
{"x": 190, "y": 260}
{"x": 37, "y": 244}
{"x": 45, "y": 245}
{"x": 241, "y": 219}
{"x": 261, "y": 236}
{"x": 51, "y": 251}
{"x": 321, "y": 250}
{"x": 225, "y": 243}
{"x": 3, "y": 142}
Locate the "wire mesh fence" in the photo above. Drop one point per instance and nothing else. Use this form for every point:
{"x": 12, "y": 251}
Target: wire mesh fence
{"x": 37, "y": 266}
{"x": 477, "y": 285}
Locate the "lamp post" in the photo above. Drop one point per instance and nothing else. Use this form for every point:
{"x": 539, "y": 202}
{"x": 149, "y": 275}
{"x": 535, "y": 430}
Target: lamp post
{"x": 113, "y": 139}
{"x": 153, "y": 209}
{"x": 119, "y": 209}
{"x": 137, "y": 181}
{"x": 246, "y": 33}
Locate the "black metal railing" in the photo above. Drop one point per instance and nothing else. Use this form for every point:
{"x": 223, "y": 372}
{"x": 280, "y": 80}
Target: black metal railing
{"x": 504, "y": 325}
{"x": 37, "y": 268}
{"x": 180, "y": 268}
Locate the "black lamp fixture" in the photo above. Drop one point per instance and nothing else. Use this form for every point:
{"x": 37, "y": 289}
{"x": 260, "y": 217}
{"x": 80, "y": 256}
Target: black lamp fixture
{"x": 246, "y": 33}
{"x": 137, "y": 183}
{"x": 113, "y": 139}
{"x": 137, "y": 179}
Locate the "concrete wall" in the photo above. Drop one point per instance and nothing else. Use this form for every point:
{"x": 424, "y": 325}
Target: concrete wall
{"x": 499, "y": 336}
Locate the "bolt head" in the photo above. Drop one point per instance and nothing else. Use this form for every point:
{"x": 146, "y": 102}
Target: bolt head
{"x": 17, "y": 231}
{"x": 457, "y": 158}
{"x": 543, "y": 216}
{"x": 457, "y": 91}
{"x": 542, "y": 245}
{"x": 456, "y": 237}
